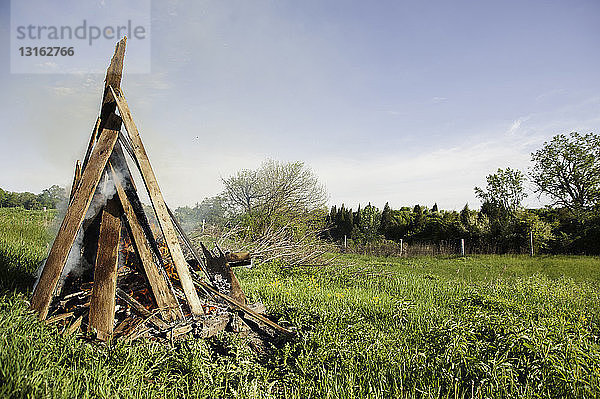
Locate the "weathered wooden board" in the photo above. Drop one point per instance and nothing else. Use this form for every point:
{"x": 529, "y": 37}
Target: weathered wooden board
{"x": 113, "y": 77}
{"x": 114, "y": 73}
{"x": 102, "y": 303}
{"x": 160, "y": 207}
{"x": 188, "y": 243}
{"x": 162, "y": 293}
{"x": 91, "y": 143}
{"x": 59, "y": 252}
{"x": 76, "y": 179}
{"x": 120, "y": 164}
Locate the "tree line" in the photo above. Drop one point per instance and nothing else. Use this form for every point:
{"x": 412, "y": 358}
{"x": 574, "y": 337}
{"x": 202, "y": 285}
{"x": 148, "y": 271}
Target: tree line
{"x": 49, "y": 198}
{"x": 566, "y": 170}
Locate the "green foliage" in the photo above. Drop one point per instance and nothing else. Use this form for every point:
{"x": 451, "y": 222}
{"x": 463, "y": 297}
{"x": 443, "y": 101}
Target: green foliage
{"x": 49, "y": 198}
{"x": 567, "y": 169}
{"x": 503, "y": 194}
{"x": 369, "y": 223}
{"x": 24, "y": 237}
{"x": 482, "y": 233}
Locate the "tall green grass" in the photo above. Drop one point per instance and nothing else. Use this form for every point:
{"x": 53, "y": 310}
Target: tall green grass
{"x": 24, "y": 239}
{"x": 484, "y": 326}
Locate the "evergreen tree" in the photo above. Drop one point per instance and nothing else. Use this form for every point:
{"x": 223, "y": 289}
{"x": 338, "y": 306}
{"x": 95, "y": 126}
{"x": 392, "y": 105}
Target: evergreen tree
{"x": 386, "y": 221}
{"x": 465, "y": 216}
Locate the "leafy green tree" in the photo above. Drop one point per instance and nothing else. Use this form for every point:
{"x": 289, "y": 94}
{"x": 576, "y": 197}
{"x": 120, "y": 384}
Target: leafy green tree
{"x": 503, "y": 194}
{"x": 567, "y": 169}
{"x": 11, "y": 200}
{"x": 52, "y": 196}
{"x": 29, "y": 200}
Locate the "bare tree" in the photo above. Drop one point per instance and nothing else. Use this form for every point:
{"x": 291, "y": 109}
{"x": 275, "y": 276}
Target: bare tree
{"x": 277, "y": 189}
{"x": 243, "y": 190}
{"x": 281, "y": 209}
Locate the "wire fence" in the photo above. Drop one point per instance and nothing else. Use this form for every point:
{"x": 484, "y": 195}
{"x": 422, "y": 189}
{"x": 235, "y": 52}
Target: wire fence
{"x": 441, "y": 248}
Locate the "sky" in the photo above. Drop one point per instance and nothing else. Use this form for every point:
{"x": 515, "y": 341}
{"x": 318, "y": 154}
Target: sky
{"x": 403, "y": 102}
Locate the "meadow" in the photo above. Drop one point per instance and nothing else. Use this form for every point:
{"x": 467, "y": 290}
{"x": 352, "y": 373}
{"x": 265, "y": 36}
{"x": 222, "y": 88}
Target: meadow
{"x": 366, "y": 327}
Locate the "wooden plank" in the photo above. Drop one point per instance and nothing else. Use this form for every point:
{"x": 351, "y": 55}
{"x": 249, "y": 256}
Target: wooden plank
{"x": 42, "y": 295}
{"x": 158, "y": 202}
{"x": 119, "y": 162}
{"x": 188, "y": 243}
{"x": 91, "y": 143}
{"x": 58, "y": 317}
{"x": 75, "y": 326}
{"x": 114, "y": 73}
{"x": 76, "y": 179}
{"x": 162, "y": 293}
{"x": 102, "y": 303}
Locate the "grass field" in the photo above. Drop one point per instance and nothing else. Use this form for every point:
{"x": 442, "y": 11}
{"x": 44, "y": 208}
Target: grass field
{"x": 482, "y": 326}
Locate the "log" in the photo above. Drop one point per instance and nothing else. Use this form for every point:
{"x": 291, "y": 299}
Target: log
{"x": 158, "y": 202}
{"x": 237, "y": 256}
{"x": 102, "y": 304}
{"x": 42, "y": 295}
{"x": 165, "y": 299}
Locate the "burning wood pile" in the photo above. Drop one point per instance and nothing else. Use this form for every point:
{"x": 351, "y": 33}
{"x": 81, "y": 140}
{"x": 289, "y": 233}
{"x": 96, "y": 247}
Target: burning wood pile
{"x": 110, "y": 273}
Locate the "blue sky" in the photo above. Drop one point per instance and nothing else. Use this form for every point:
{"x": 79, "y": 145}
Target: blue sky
{"x": 400, "y": 101}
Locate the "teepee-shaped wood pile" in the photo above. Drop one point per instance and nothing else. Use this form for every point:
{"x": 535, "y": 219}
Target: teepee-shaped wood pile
{"x": 174, "y": 287}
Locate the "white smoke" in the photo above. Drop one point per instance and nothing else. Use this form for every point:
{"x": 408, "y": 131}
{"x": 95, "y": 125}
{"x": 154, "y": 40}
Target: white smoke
{"x": 76, "y": 263}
